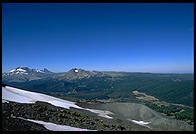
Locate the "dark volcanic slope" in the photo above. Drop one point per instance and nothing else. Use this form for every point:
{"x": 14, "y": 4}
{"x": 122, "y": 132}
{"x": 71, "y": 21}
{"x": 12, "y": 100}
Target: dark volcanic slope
{"x": 10, "y": 123}
{"x": 139, "y": 112}
{"x": 123, "y": 115}
{"x": 49, "y": 113}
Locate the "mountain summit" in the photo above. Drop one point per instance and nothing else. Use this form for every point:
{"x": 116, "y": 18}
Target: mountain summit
{"x": 22, "y": 74}
{"x": 26, "y": 70}
{"x": 76, "y": 73}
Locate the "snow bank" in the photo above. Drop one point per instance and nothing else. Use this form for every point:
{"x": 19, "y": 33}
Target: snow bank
{"x": 10, "y": 95}
{"x": 22, "y": 96}
{"x": 56, "y": 127}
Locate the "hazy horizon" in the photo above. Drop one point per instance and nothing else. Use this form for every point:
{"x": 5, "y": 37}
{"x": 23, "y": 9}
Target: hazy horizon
{"x": 131, "y": 37}
{"x": 132, "y": 71}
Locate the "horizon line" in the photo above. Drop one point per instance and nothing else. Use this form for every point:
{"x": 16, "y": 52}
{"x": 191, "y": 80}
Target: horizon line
{"x": 122, "y": 71}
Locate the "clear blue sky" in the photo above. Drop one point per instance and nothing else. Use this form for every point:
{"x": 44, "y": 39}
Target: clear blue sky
{"x": 118, "y": 37}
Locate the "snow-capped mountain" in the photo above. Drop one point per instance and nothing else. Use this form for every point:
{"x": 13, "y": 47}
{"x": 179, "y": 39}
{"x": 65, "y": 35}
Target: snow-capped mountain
{"x": 18, "y": 71}
{"x": 76, "y": 73}
{"x": 26, "y": 70}
{"x": 21, "y": 74}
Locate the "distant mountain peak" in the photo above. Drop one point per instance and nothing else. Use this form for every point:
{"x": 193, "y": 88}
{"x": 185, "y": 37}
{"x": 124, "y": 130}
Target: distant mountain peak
{"x": 19, "y": 70}
{"x": 76, "y": 70}
{"x": 26, "y": 69}
{"x": 21, "y": 74}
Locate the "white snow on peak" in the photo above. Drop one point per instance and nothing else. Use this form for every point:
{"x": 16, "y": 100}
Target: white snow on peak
{"x": 56, "y": 127}
{"x": 22, "y": 96}
{"x": 21, "y": 70}
{"x": 12, "y": 70}
{"x": 39, "y": 71}
{"x": 21, "y": 73}
{"x": 76, "y": 71}
{"x": 18, "y": 71}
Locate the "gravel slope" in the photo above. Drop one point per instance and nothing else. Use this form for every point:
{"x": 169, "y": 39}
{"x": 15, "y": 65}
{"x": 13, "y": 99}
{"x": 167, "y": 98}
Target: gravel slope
{"x": 140, "y": 112}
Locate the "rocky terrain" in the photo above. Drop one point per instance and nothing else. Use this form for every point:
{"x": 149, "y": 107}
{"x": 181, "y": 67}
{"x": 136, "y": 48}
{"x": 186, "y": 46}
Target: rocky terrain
{"x": 83, "y": 115}
{"x": 46, "y": 112}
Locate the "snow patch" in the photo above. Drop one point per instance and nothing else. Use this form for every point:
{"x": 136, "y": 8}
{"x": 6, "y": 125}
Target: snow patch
{"x": 101, "y": 113}
{"x": 21, "y": 70}
{"x": 12, "y": 70}
{"x": 56, "y": 127}
{"x": 18, "y": 71}
{"x": 39, "y": 71}
{"x": 76, "y": 71}
{"x": 142, "y": 123}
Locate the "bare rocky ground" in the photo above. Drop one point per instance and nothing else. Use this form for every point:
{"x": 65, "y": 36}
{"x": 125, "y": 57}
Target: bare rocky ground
{"x": 49, "y": 113}
{"x": 140, "y": 112}
{"x": 123, "y": 114}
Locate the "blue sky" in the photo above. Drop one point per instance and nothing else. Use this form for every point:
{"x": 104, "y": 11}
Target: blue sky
{"x": 117, "y": 36}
